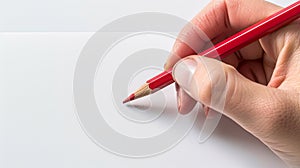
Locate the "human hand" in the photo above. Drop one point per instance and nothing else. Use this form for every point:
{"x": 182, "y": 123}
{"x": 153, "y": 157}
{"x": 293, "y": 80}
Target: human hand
{"x": 261, "y": 81}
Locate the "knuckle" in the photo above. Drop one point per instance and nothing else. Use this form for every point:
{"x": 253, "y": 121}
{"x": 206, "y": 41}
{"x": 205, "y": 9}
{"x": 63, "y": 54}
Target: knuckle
{"x": 231, "y": 89}
{"x": 202, "y": 85}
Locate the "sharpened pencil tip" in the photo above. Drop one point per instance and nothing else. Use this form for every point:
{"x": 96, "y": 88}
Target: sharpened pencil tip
{"x": 126, "y": 100}
{"x": 129, "y": 98}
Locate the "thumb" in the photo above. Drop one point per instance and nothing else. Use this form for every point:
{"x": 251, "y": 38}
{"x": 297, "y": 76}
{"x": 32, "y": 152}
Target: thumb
{"x": 222, "y": 88}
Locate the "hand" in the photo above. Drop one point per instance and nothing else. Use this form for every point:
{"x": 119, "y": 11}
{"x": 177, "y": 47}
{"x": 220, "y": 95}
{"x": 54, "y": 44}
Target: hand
{"x": 261, "y": 82}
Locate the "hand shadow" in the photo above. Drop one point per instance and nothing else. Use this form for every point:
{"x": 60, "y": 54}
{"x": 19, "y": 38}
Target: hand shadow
{"x": 238, "y": 140}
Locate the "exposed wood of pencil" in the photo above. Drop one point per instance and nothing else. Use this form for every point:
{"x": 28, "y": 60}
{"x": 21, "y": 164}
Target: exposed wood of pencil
{"x": 144, "y": 90}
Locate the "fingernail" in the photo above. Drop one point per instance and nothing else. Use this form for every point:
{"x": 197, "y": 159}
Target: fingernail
{"x": 183, "y": 72}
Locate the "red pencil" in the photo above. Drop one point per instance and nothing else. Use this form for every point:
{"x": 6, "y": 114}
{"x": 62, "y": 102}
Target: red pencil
{"x": 226, "y": 47}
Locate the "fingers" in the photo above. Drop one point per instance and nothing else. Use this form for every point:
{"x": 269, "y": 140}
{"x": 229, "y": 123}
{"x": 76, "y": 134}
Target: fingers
{"x": 221, "y": 87}
{"x": 218, "y": 20}
{"x": 213, "y": 24}
{"x": 189, "y": 41}
{"x": 282, "y": 48}
{"x": 253, "y": 70}
{"x": 185, "y": 103}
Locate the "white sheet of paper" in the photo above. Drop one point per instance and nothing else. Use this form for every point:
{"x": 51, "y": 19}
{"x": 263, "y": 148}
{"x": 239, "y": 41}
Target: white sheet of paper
{"x": 39, "y": 126}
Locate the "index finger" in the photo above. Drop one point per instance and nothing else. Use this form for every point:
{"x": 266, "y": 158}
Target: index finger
{"x": 219, "y": 19}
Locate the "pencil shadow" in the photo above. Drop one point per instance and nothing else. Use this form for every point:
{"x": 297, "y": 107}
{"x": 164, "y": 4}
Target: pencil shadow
{"x": 138, "y": 106}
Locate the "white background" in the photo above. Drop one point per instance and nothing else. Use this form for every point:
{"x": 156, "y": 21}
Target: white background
{"x": 40, "y": 42}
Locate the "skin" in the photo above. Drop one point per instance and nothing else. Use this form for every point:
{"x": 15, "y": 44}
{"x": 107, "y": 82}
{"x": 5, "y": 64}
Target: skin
{"x": 262, "y": 79}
